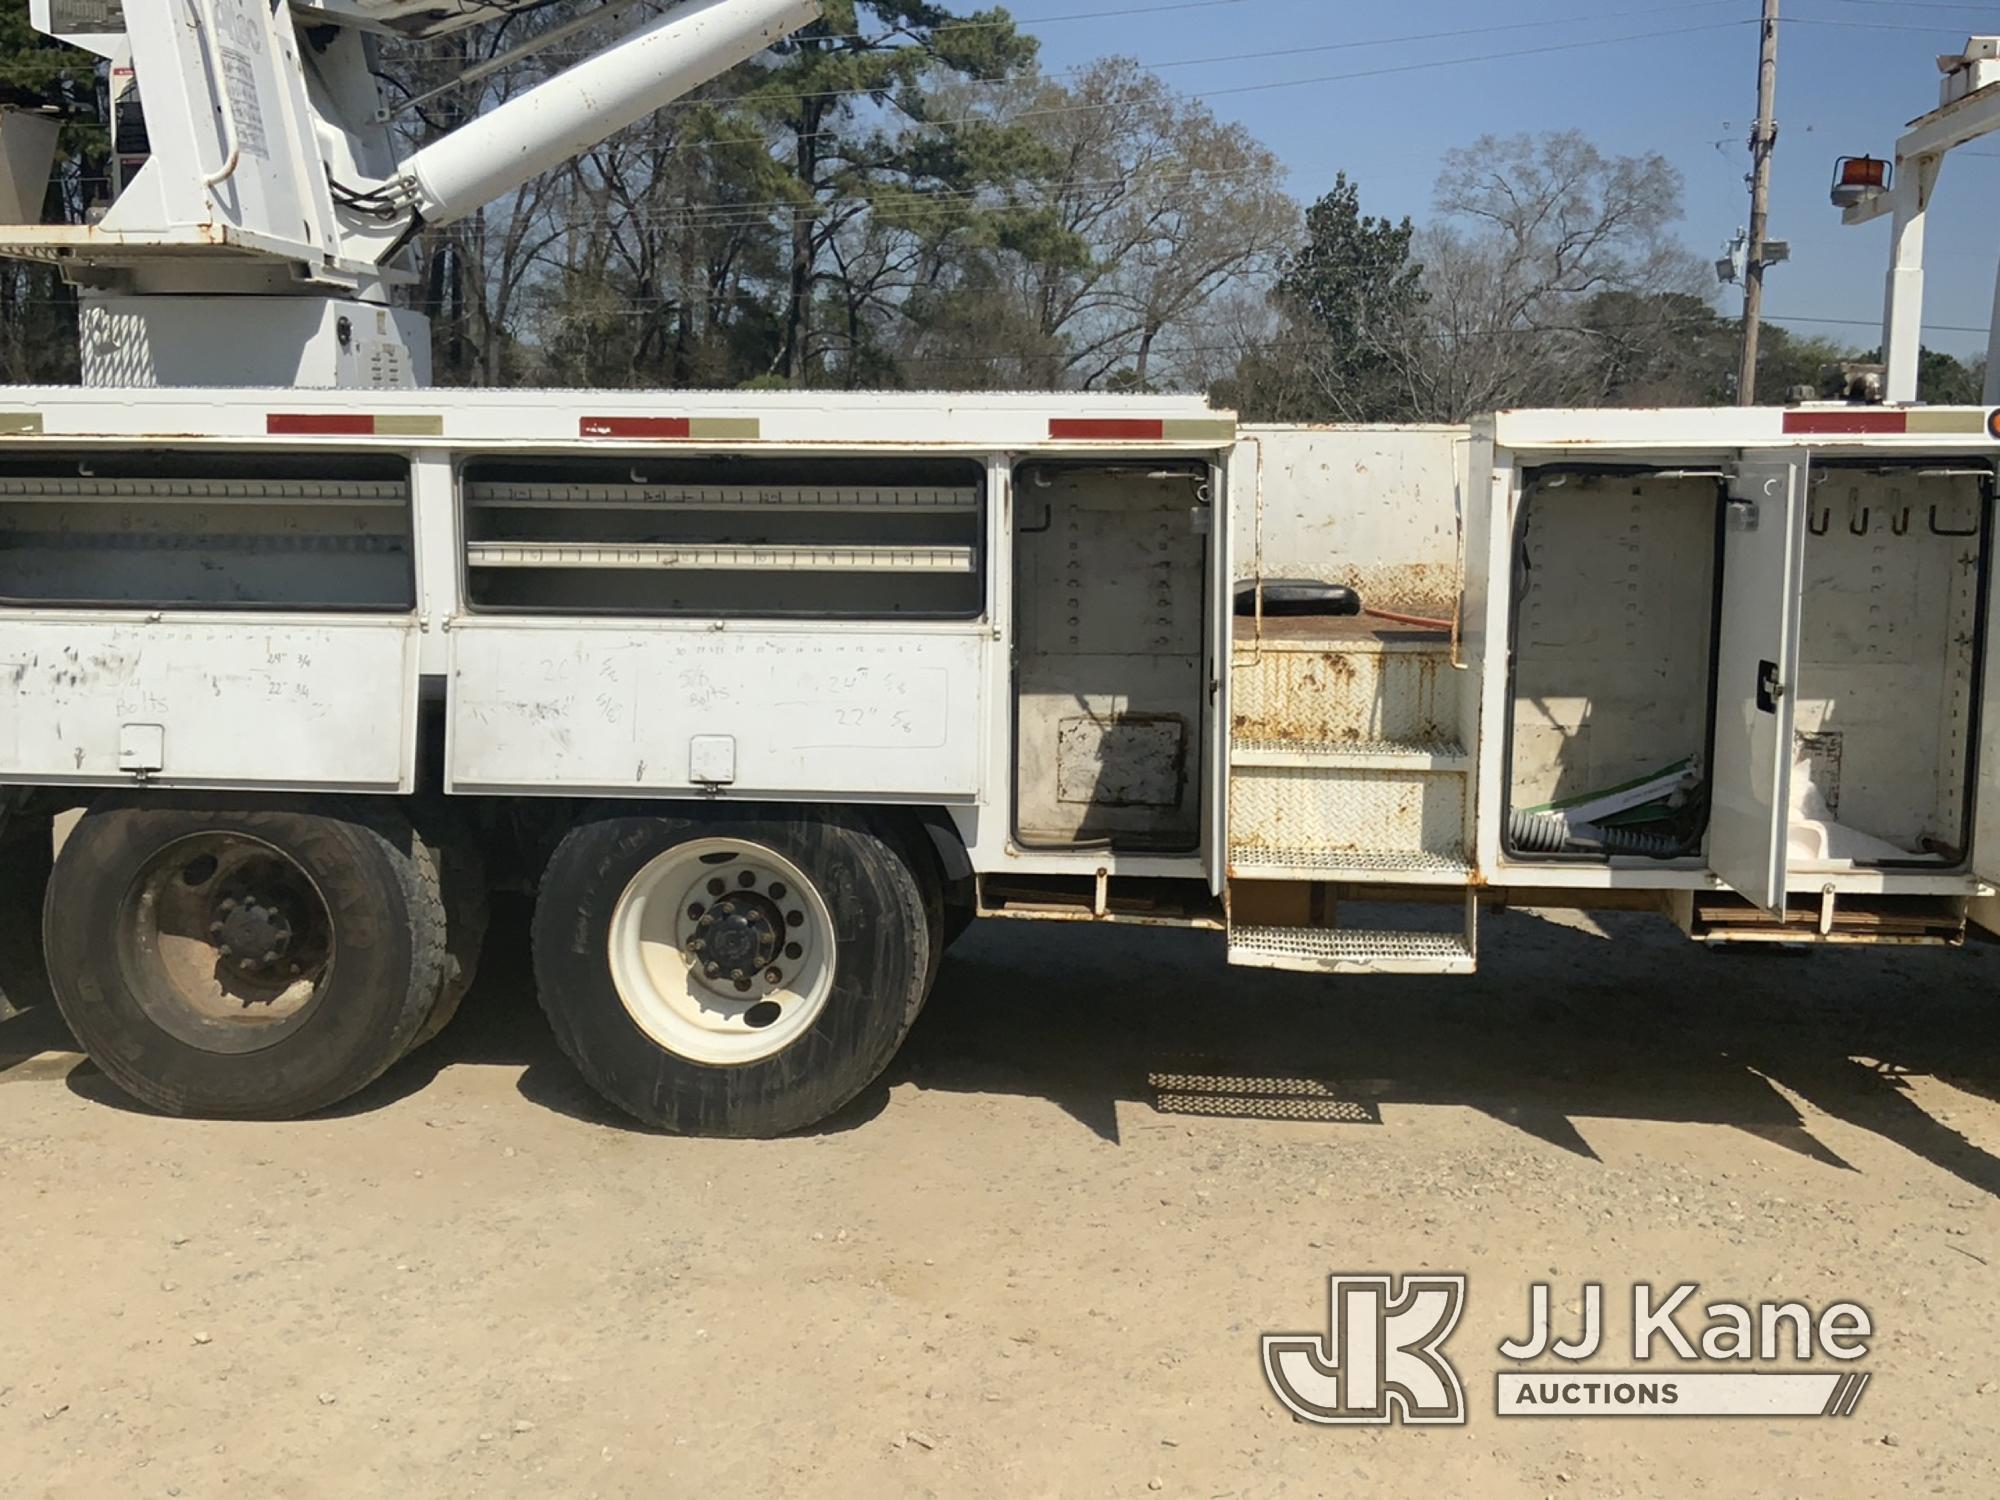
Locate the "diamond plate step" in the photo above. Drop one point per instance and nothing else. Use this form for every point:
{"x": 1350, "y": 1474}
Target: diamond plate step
{"x": 1352, "y": 755}
{"x": 1362, "y": 867}
{"x": 1323, "y": 950}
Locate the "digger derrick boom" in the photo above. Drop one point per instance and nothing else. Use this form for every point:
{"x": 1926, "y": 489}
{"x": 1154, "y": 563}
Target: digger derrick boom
{"x": 271, "y": 194}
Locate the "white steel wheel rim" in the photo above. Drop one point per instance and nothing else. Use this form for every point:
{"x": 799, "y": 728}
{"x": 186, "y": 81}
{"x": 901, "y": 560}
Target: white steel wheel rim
{"x": 739, "y": 987}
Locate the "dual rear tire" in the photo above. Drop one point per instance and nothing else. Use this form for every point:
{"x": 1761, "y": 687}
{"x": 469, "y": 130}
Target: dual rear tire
{"x": 257, "y": 959}
{"x": 737, "y": 971}
{"x": 744, "y": 972}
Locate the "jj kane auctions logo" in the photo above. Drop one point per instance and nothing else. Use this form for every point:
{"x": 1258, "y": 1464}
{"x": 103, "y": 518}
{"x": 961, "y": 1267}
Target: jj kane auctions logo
{"x": 1382, "y": 1360}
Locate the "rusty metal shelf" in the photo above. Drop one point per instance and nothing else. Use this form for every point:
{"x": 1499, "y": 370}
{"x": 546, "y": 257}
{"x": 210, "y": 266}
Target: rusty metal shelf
{"x": 1355, "y": 755}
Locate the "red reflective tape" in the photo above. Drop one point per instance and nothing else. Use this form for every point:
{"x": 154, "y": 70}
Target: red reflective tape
{"x": 319, "y": 424}
{"x": 1107, "y": 430}
{"x": 634, "y": 427}
{"x": 1823, "y": 422}
{"x": 1993, "y": 425}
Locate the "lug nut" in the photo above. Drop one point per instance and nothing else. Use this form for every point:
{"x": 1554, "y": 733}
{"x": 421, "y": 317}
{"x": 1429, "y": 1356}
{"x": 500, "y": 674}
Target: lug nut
{"x": 696, "y": 946}
{"x": 736, "y": 974}
{"x": 246, "y": 963}
{"x": 215, "y": 929}
{"x": 772, "y": 976}
{"x": 271, "y": 957}
{"x": 224, "y": 949}
{"x": 712, "y": 970}
{"x": 707, "y": 922}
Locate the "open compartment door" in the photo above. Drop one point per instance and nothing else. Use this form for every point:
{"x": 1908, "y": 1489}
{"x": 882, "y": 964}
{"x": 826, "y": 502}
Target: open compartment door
{"x": 1985, "y": 911}
{"x": 1224, "y": 491}
{"x": 1756, "y": 677}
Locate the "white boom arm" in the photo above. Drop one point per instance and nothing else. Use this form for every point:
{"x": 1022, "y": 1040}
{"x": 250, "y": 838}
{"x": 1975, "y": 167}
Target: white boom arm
{"x": 1969, "y": 109}
{"x": 259, "y": 224}
{"x": 577, "y": 109}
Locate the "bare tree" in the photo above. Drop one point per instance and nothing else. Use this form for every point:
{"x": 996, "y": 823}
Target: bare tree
{"x": 472, "y": 274}
{"x": 1534, "y": 233}
{"x": 662, "y": 225}
{"x": 1172, "y": 206}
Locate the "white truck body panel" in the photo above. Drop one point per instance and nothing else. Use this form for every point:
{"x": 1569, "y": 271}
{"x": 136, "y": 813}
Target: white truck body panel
{"x": 265, "y": 701}
{"x": 1375, "y": 507}
{"x": 804, "y": 710}
{"x": 808, "y": 712}
{"x": 918, "y": 711}
{"x": 652, "y": 422}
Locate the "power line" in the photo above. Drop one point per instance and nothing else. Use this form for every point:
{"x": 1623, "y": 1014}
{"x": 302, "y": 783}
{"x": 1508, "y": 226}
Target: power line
{"x": 1016, "y": 22}
{"x": 1020, "y": 21}
{"x": 1426, "y": 66}
{"x": 1251, "y": 88}
{"x": 1714, "y": 323}
{"x": 1909, "y": 5}
{"x": 1875, "y": 323}
{"x": 1870, "y": 25}
{"x": 1028, "y": 80}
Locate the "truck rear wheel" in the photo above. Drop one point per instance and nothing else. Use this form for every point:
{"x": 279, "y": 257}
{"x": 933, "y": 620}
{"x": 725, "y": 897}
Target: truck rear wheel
{"x": 461, "y": 875}
{"x": 259, "y": 959}
{"x": 744, "y": 972}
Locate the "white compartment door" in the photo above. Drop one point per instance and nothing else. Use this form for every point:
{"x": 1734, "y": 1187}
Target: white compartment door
{"x": 683, "y": 709}
{"x": 1221, "y": 642}
{"x": 1757, "y": 676}
{"x": 1986, "y": 809}
{"x": 269, "y": 701}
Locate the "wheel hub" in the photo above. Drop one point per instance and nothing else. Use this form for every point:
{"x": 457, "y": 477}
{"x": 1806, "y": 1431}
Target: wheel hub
{"x": 252, "y": 933}
{"x": 229, "y": 939}
{"x": 722, "y": 950}
{"x": 738, "y": 936}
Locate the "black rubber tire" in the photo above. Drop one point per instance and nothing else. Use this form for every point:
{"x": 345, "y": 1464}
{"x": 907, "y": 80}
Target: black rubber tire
{"x": 461, "y": 876}
{"x": 961, "y": 910}
{"x": 25, "y": 861}
{"x": 913, "y": 846}
{"x": 883, "y": 944}
{"x": 388, "y": 949}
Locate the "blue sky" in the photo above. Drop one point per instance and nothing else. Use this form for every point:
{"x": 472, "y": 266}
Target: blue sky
{"x": 1851, "y": 74}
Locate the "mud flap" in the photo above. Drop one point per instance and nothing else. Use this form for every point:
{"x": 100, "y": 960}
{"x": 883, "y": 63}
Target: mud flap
{"x": 24, "y": 879}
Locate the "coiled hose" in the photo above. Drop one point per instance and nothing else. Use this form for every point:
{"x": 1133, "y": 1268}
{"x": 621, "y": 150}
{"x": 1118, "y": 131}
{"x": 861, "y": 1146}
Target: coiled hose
{"x": 1551, "y": 833}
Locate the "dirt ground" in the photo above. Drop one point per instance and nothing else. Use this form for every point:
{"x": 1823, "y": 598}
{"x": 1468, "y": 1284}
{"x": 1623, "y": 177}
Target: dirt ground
{"x": 1009, "y": 1270}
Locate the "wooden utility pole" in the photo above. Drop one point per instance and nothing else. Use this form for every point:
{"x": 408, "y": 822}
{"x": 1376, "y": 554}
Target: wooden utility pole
{"x": 1763, "y": 141}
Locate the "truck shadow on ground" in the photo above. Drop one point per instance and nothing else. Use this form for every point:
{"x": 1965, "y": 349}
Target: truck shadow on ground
{"x": 1616, "y": 1017}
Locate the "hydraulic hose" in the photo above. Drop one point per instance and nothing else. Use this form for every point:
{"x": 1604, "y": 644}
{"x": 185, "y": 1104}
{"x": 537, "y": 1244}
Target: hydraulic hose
{"x": 1551, "y": 833}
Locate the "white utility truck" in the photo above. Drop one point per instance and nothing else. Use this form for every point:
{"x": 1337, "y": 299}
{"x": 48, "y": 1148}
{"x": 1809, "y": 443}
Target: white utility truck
{"x": 767, "y": 696}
